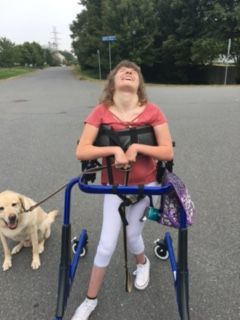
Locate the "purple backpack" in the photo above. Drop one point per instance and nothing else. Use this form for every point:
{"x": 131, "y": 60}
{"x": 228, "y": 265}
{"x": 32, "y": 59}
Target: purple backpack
{"x": 170, "y": 202}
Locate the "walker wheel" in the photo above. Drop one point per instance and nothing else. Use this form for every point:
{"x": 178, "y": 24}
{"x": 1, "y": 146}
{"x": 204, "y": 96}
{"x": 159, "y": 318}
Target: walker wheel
{"x": 74, "y": 242}
{"x": 84, "y": 251}
{"x": 160, "y": 250}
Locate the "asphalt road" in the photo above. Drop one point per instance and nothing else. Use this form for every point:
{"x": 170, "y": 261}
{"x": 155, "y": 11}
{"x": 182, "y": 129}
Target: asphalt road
{"x": 41, "y": 116}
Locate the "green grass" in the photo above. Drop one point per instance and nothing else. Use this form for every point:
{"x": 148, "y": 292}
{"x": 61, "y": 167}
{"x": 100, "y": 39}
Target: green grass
{"x": 6, "y": 73}
{"x": 84, "y": 75}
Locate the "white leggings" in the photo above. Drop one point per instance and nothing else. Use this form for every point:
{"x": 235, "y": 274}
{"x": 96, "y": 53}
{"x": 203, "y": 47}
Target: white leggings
{"x": 112, "y": 225}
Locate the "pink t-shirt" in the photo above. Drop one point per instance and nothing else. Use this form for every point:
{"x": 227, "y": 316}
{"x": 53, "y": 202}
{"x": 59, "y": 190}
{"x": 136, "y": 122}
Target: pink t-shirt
{"x": 143, "y": 171}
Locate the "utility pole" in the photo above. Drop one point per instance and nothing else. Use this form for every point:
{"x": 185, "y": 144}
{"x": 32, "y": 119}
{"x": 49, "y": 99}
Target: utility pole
{"x": 228, "y": 56}
{"x": 55, "y": 39}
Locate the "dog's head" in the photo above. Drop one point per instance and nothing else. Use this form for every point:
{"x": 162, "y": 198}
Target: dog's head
{"x": 11, "y": 208}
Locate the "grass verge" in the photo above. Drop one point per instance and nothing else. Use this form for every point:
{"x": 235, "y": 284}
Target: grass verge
{"x": 6, "y": 73}
{"x": 83, "y": 75}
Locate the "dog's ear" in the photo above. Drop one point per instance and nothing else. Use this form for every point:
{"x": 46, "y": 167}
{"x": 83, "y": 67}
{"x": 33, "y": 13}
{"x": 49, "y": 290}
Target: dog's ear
{"x": 22, "y": 203}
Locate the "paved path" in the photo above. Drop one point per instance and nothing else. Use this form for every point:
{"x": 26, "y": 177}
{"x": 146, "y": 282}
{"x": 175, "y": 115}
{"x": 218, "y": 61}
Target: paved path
{"x": 41, "y": 117}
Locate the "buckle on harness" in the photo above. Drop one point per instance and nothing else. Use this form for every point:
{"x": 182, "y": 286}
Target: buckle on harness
{"x": 89, "y": 164}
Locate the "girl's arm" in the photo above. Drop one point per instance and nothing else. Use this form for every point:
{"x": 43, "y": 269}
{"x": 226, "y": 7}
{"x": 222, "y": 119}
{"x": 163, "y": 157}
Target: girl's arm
{"x": 163, "y": 151}
{"x": 87, "y": 151}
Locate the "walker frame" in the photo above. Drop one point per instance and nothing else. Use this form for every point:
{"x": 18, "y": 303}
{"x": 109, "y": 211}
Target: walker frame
{"x": 69, "y": 261}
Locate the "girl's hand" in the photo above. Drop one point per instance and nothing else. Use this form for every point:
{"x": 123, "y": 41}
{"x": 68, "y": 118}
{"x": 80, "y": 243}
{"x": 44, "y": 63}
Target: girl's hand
{"x": 121, "y": 160}
{"x": 131, "y": 153}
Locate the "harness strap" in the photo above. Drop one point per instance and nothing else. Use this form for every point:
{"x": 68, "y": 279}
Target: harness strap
{"x": 122, "y": 211}
{"x": 133, "y": 134}
{"x": 109, "y": 170}
{"x": 127, "y": 201}
{"x": 114, "y": 188}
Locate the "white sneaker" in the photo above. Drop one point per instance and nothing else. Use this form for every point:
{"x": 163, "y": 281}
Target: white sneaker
{"x": 142, "y": 274}
{"x": 85, "y": 309}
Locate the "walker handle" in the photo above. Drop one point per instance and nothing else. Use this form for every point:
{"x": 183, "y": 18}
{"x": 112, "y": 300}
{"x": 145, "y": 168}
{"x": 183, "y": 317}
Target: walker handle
{"x": 120, "y": 189}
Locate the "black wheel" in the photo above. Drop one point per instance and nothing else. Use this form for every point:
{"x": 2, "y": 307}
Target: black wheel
{"x": 160, "y": 250}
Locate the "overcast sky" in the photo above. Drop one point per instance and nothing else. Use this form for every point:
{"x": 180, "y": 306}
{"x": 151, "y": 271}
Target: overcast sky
{"x": 35, "y": 20}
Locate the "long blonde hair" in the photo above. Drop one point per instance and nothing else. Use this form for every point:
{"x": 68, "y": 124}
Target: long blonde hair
{"x": 108, "y": 92}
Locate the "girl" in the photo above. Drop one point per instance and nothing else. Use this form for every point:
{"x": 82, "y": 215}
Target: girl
{"x": 123, "y": 105}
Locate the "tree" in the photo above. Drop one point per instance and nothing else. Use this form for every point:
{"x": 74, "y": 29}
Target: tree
{"x": 165, "y": 37}
{"x": 205, "y": 50}
{"x": 134, "y": 24}
{"x": 7, "y": 53}
{"x": 131, "y": 21}
{"x": 37, "y": 55}
{"x": 221, "y": 21}
{"x": 31, "y": 54}
{"x": 70, "y": 59}
{"x": 86, "y": 33}
{"x": 49, "y": 57}
{"x": 179, "y": 26}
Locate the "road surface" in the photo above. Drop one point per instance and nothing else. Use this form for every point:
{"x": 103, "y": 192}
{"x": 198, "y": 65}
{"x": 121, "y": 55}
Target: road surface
{"x": 41, "y": 116}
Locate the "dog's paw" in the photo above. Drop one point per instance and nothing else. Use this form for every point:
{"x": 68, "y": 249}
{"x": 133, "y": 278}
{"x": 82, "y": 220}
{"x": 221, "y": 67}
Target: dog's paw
{"x": 7, "y": 264}
{"x": 41, "y": 247}
{"x": 17, "y": 248}
{"x": 35, "y": 263}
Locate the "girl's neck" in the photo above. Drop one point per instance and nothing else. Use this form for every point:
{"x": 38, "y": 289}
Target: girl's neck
{"x": 125, "y": 101}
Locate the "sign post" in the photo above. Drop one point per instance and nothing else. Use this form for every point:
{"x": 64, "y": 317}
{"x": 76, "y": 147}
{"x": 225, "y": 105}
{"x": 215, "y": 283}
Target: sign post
{"x": 109, "y": 39}
{"x": 110, "y": 55}
{"x": 99, "y": 64}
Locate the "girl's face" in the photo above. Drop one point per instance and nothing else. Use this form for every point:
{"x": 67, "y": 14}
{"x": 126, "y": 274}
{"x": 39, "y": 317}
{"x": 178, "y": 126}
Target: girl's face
{"x": 126, "y": 78}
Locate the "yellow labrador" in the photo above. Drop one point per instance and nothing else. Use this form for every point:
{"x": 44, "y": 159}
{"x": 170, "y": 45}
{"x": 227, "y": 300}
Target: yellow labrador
{"x": 28, "y": 228}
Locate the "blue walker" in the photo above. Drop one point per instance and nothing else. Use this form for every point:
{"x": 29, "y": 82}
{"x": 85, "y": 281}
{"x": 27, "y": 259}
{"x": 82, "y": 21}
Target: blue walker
{"x": 163, "y": 248}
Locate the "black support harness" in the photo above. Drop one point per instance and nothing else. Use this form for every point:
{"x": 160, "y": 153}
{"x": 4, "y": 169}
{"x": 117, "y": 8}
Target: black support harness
{"x": 124, "y": 138}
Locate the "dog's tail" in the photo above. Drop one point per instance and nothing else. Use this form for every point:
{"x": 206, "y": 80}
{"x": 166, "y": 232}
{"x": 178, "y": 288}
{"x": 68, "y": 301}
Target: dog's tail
{"x": 52, "y": 216}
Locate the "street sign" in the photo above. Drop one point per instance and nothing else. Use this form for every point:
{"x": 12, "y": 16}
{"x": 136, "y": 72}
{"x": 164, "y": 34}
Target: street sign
{"x": 108, "y": 38}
